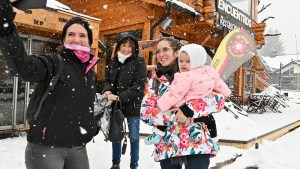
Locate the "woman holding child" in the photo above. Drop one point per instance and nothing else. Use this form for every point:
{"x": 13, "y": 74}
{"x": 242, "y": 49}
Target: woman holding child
{"x": 185, "y": 142}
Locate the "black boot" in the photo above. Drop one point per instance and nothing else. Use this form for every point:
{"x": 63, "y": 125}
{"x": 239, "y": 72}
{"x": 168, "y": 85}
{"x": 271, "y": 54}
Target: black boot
{"x": 133, "y": 166}
{"x": 115, "y": 166}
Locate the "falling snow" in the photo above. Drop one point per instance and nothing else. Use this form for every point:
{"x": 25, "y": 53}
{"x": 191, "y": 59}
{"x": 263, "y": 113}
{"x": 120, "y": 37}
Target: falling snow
{"x": 5, "y": 25}
{"x": 82, "y": 131}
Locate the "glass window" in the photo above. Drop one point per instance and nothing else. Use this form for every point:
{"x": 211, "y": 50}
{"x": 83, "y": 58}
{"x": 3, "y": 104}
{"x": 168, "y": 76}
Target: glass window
{"x": 41, "y": 47}
{"x": 289, "y": 72}
{"x": 249, "y": 82}
{"x": 244, "y": 5}
{"x": 285, "y": 73}
{"x": 230, "y": 83}
{"x": 292, "y": 71}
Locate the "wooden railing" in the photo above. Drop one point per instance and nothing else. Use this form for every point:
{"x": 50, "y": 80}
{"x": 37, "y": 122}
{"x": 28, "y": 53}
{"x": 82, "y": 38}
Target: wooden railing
{"x": 261, "y": 83}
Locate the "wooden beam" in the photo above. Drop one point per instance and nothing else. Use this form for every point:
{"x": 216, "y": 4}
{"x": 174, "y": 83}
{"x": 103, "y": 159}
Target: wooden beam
{"x": 120, "y": 29}
{"x": 115, "y": 24}
{"x": 44, "y": 20}
{"x": 259, "y": 139}
{"x": 155, "y": 2}
{"x": 111, "y": 9}
{"x": 146, "y": 30}
{"x": 117, "y": 15}
{"x": 77, "y": 4}
{"x": 198, "y": 2}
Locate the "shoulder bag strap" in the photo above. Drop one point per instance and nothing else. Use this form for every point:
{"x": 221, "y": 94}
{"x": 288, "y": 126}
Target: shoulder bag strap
{"x": 50, "y": 87}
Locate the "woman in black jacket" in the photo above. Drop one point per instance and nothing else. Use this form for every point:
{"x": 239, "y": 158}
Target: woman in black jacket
{"x": 57, "y": 138}
{"x": 125, "y": 82}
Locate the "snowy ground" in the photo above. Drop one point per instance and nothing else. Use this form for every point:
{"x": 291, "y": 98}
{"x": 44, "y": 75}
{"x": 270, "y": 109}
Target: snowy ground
{"x": 281, "y": 153}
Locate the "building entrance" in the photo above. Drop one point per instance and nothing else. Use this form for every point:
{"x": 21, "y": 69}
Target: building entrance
{"x": 14, "y": 92}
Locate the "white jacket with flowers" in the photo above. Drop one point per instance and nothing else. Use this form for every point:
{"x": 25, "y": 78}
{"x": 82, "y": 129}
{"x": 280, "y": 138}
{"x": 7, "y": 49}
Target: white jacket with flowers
{"x": 179, "y": 139}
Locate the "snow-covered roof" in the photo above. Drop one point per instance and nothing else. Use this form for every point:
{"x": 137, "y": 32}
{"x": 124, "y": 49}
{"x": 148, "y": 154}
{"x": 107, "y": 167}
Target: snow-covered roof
{"x": 53, "y": 4}
{"x": 184, "y": 6}
{"x": 275, "y": 61}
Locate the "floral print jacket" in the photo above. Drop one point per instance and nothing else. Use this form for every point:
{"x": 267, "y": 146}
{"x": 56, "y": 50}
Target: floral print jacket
{"x": 179, "y": 139}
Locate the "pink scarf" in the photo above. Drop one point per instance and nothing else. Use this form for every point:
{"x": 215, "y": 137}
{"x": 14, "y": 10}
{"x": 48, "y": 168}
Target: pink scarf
{"x": 91, "y": 64}
{"x": 82, "y": 52}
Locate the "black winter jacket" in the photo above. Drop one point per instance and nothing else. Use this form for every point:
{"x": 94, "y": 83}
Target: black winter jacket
{"x": 66, "y": 118}
{"x": 128, "y": 81}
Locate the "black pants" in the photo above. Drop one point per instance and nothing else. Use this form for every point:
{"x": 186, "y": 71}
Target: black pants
{"x": 197, "y": 161}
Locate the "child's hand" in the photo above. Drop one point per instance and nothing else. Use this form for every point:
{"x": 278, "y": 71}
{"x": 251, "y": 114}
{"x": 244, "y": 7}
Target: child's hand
{"x": 180, "y": 117}
{"x": 158, "y": 108}
{"x": 189, "y": 121}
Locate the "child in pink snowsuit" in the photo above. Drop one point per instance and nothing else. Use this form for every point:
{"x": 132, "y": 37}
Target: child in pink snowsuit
{"x": 195, "y": 81}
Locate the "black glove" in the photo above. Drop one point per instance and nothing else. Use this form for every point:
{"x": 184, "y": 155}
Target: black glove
{"x": 7, "y": 17}
{"x": 186, "y": 111}
{"x": 210, "y": 123}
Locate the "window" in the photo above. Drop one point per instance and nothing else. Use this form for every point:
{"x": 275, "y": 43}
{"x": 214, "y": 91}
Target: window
{"x": 289, "y": 72}
{"x": 244, "y": 5}
{"x": 249, "y": 82}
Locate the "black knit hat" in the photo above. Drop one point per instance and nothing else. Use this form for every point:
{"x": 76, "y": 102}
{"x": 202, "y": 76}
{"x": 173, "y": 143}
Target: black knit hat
{"x": 82, "y": 22}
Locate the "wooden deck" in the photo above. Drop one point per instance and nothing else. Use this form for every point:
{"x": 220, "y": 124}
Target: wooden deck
{"x": 272, "y": 135}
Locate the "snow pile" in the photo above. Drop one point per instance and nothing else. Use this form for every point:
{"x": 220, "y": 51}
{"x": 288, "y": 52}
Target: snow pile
{"x": 270, "y": 90}
{"x": 53, "y": 4}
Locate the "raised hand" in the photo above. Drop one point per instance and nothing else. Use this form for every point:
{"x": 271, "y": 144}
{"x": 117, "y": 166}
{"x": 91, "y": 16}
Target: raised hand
{"x": 16, "y": 10}
{"x": 6, "y": 18}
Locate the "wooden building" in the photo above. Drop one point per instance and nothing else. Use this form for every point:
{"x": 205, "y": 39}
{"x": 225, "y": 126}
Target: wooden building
{"x": 40, "y": 30}
{"x": 204, "y": 22}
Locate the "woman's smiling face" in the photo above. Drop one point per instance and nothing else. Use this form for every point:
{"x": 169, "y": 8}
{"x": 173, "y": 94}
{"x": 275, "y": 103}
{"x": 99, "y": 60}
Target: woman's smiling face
{"x": 77, "y": 35}
{"x": 165, "y": 53}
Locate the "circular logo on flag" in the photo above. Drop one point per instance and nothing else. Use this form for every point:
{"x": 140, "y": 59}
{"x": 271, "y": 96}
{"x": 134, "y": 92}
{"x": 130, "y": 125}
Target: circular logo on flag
{"x": 240, "y": 45}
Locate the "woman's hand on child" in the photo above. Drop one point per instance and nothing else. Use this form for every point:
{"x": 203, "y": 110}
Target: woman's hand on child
{"x": 189, "y": 120}
{"x": 158, "y": 108}
{"x": 180, "y": 117}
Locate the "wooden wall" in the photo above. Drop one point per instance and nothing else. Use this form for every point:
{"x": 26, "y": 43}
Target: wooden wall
{"x": 127, "y": 15}
{"x": 49, "y": 24}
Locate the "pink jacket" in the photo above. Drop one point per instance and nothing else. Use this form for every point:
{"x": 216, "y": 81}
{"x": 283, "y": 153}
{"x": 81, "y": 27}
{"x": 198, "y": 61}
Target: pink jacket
{"x": 194, "y": 84}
